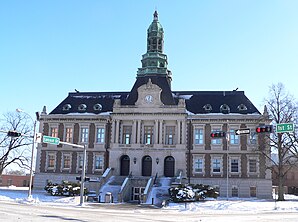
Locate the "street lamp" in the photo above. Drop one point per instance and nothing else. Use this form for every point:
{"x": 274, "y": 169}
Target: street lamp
{"x": 32, "y": 151}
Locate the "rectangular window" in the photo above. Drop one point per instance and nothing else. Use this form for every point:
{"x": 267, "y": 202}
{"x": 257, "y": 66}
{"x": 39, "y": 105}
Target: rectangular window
{"x": 54, "y": 131}
{"x": 80, "y": 160}
{"x": 100, "y": 135}
{"x": 216, "y": 141}
{"x": 98, "y": 162}
{"x": 51, "y": 160}
{"x": 126, "y": 136}
{"x": 234, "y": 191}
{"x": 66, "y": 161}
{"x": 252, "y": 165}
{"x": 68, "y": 134}
{"x": 199, "y": 163}
{"x": 216, "y": 165}
{"x": 234, "y": 139}
{"x": 9, "y": 182}
{"x": 253, "y": 191}
{"x": 234, "y": 165}
{"x": 148, "y": 134}
{"x": 84, "y": 135}
{"x": 170, "y": 134}
{"x": 252, "y": 139}
{"x": 199, "y": 136}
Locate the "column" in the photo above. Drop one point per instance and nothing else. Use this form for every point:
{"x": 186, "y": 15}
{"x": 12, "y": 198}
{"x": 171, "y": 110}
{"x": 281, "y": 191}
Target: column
{"x": 160, "y": 131}
{"x": 134, "y": 132}
{"x": 113, "y": 131}
{"x": 139, "y": 132}
{"x": 183, "y": 132}
{"x": 178, "y": 131}
{"x": 156, "y": 136}
{"x": 117, "y": 131}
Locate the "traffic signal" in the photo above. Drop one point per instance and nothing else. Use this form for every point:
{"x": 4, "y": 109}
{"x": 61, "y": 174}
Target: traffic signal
{"x": 78, "y": 178}
{"x": 13, "y": 134}
{"x": 219, "y": 134}
{"x": 264, "y": 129}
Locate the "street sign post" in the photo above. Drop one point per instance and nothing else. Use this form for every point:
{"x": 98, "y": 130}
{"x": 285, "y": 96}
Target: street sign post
{"x": 242, "y": 131}
{"x": 284, "y": 127}
{"x": 51, "y": 140}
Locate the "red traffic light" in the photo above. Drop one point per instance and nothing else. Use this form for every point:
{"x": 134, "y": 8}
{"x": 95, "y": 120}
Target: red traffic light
{"x": 220, "y": 134}
{"x": 264, "y": 129}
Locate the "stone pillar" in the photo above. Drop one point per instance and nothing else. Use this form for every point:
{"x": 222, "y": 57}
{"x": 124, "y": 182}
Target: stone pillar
{"x": 134, "y": 132}
{"x": 183, "y": 132}
{"x": 178, "y": 131}
{"x": 156, "y": 136}
{"x": 160, "y": 131}
{"x": 113, "y": 131}
{"x": 139, "y": 132}
{"x": 117, "y": 131}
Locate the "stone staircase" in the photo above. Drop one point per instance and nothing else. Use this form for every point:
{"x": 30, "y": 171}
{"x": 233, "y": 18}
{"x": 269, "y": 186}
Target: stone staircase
{"x": 112, "y": 186}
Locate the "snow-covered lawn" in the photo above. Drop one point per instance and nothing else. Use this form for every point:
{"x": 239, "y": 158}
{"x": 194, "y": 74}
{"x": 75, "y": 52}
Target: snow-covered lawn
{"x": 220, "y": 205}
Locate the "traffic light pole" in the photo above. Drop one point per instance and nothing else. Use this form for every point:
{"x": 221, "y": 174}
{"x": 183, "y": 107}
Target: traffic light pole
{"x": 83, "y": 169}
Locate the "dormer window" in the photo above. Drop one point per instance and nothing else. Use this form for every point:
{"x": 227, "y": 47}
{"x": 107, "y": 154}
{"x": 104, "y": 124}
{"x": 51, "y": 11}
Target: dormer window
{"x": 82, "y": 107}
{"x": 225, "y": 109}
{"x": 97, "y": 107}
{"x": 207, "y": 108}
{"x": 66, "y": 107}
{"x": 242, "y": 107}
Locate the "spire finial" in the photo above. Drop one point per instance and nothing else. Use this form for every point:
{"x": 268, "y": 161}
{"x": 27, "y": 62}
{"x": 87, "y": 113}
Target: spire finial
{"x": 155, "y": 15}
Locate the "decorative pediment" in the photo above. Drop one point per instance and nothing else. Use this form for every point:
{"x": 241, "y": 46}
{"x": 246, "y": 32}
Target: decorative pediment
{"x": 149, "y": 95}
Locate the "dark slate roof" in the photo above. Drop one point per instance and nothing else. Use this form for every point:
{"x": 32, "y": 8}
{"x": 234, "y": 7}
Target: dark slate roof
{"x": 195, "y": 100}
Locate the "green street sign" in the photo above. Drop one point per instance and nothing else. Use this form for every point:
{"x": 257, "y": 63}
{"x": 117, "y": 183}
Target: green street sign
{"x": 51, "y": 140}
{"x": 284, "y": 127}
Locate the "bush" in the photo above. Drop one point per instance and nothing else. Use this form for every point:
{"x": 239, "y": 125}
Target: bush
{"x": 191, "y": 192}
{"x": 64, "y": 189}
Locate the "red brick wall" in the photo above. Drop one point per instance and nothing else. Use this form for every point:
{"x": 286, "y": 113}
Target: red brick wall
{"x": 15, "y": 180}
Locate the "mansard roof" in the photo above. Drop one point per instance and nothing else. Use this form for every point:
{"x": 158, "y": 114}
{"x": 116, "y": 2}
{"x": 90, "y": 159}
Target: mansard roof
{"x": 197, "y": 102}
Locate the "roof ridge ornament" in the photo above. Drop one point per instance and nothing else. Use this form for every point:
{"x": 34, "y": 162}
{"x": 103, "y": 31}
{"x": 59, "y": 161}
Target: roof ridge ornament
{"x": 149, "y": 84}
{"x": 155, "y": 16}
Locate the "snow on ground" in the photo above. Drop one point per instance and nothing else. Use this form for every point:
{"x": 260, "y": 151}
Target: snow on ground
{"x": 221, "y": 205}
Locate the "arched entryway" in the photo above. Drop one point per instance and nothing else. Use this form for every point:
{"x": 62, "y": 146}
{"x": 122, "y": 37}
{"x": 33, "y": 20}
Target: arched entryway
{"x": 124, "y": 165}
{"x": 146, "y": 166}
{"x": 169, "y": 166}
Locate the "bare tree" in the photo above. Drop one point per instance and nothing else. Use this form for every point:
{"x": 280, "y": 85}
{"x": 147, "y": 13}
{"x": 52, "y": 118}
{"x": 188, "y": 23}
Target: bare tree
{"x": 15, "y": 150}
{"x": 282, "y": 108}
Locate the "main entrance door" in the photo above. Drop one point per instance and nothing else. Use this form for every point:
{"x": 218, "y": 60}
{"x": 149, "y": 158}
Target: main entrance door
{"x": 146, "y": 166}
{"x": 124, "y": 165}
{"x": 169, "y": 166}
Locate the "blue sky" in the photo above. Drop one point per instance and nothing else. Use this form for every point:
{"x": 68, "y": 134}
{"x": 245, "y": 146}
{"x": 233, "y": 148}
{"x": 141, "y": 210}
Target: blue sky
{"x": 51, "y": 47}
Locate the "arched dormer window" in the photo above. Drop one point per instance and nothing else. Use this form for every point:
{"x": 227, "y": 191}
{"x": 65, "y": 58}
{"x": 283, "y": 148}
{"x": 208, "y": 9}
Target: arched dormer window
{"x": 66, "y": 107}
{"x": 207, "y": 108}
{"x": 82, "y": 107}
{"x": 97, "y": 107}
{"x": 225, "y": 109}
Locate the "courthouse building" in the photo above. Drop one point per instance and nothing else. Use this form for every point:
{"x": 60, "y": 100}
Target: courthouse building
{"x": 153, "y": 131}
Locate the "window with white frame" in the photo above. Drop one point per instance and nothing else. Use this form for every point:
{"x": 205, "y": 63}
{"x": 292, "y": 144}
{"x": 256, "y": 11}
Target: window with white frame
{"x": 148, "y": 134}
{"x": 199, "y": 165}
{"x": 216, "y": 141}
{"x": 51, "y": 160}
{"x": 170, "y": 134}
{"x": 54, "y": 131}
{"x": 234, "y": 165}
{"x": 199, "y": 136}
{"x": 100, "y": 135}
{"x": 126, "y": 135}
{"x": 84, "y": 134}
{"x": 68, "y": 134}
{"x": 66, "y": 161}
{"x": 216, "y": 164}
{"x": 98, "y": 162}
{"x": 234, "y": 139}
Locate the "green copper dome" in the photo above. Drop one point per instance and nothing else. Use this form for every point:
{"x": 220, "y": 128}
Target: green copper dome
{"x": 155, "y": 27}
